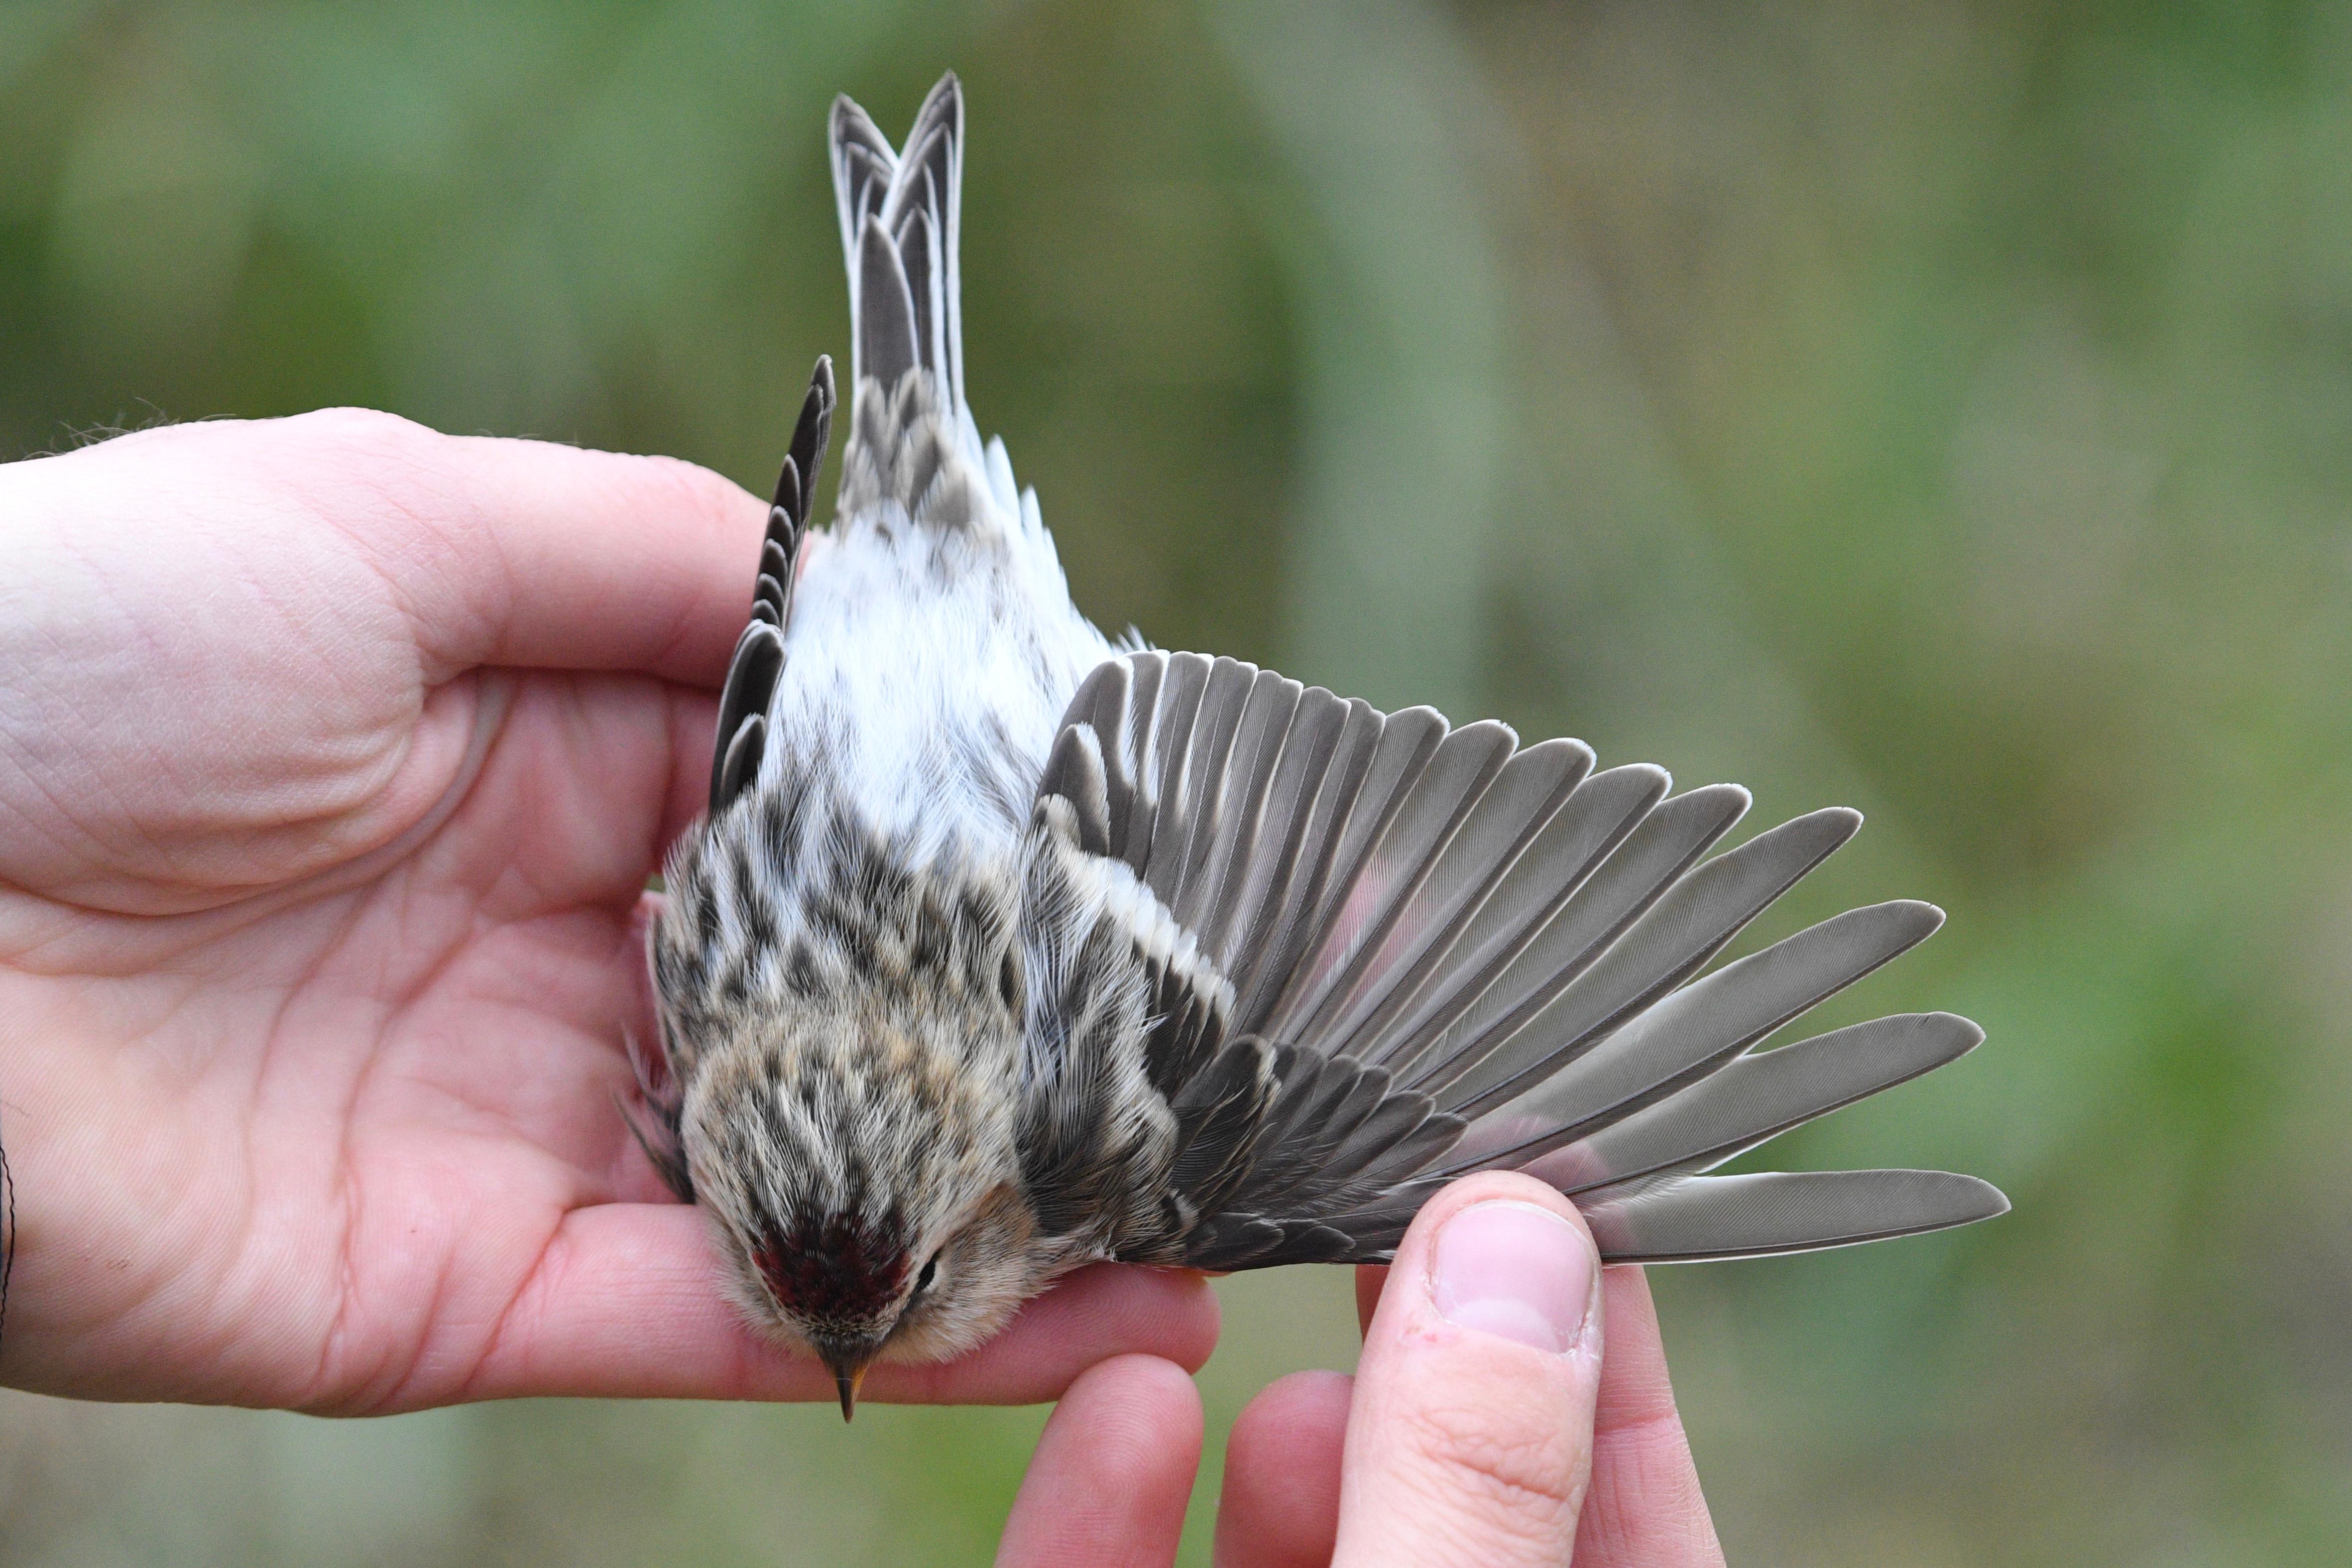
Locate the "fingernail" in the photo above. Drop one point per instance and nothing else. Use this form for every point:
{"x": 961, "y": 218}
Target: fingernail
{"x": 1517, "y": 1271}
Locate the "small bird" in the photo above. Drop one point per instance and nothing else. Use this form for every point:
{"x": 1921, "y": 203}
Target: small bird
{"x": 1005, "y": 948}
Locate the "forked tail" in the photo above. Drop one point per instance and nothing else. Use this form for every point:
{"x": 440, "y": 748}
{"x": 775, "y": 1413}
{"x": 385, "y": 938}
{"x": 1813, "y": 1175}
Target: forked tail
{"x": 898, "y": 221}
{"x": 912, "y": 447}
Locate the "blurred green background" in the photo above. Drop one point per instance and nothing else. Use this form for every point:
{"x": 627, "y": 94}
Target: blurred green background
{"x": 1944, "y": 408}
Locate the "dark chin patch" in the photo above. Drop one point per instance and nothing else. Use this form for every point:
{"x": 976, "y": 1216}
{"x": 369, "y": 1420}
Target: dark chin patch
{"x": 834, "y": 1268}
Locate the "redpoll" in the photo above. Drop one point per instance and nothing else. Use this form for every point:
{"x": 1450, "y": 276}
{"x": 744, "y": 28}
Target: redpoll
{"x": 1004, "y": 948}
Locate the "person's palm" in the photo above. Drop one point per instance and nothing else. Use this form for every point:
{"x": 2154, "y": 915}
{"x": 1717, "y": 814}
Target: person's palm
{"x": 333, "y": 756}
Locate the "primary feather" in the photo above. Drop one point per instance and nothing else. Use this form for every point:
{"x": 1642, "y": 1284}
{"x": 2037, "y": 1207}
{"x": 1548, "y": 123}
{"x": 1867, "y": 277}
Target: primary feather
{"x": 1004, "y": 948}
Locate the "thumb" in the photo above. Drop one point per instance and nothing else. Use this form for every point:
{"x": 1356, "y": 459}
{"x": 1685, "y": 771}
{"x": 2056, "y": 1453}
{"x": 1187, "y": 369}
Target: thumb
{"x": 1470, "y": 1438}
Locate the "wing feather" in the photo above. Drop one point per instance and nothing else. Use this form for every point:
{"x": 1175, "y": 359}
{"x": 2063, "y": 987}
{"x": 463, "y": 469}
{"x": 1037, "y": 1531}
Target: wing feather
{"x": 759, "y": 660}
{"x": 1430, "y": 951}
{"x": 1770, "y": 1213}
{"x": 1759, "y": 1096}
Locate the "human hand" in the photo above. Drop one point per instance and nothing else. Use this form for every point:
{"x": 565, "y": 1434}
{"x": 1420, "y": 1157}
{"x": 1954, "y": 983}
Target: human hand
{"x": 333, "y": 756}
{"x": 1464, "y": 1437}
{"x": 1484, "y": 1425}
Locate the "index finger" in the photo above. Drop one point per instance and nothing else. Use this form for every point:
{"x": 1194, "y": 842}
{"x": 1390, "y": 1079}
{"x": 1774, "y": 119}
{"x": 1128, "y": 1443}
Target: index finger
{"x": 1645, "y": 1507}
{"x": 1113, "y": 1469}
{"x": 629, "y": 1302}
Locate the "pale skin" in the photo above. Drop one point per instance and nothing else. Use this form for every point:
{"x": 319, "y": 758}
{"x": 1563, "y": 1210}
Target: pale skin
{"x": 1449, "y": 1445}
{"x": 333, "y": 756}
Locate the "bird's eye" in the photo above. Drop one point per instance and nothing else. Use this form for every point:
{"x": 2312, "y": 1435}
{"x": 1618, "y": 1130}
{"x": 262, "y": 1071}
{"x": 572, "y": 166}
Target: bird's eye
{"x": 923, "y": 1280}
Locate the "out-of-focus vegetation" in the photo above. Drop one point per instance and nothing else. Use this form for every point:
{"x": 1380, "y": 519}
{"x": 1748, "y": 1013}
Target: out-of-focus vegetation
{"x": 1943, "y": 408}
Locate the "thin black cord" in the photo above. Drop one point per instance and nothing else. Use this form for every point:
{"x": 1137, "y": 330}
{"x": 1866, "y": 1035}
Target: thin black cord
{"x": 7, "y": 1235}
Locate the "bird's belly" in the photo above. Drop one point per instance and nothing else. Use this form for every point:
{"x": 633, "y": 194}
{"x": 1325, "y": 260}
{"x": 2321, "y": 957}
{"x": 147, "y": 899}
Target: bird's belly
{"x": 933, "y": 696}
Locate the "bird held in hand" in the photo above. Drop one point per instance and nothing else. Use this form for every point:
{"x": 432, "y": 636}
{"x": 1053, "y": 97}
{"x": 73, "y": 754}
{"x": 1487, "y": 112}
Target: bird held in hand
{"x": 1005, "y": 948}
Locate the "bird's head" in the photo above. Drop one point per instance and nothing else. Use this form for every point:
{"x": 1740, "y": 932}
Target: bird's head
{"x": 865, "y": 1182}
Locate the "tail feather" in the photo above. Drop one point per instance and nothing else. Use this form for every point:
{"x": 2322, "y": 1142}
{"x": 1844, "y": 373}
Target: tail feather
{"x": 899, "y": 218}
{"x": 913, "y": 449}
{"x": 888, "y": 337}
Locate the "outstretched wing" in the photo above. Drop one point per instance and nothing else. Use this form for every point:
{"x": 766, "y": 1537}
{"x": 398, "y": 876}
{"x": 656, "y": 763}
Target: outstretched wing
{"x": 1445, "y": 953}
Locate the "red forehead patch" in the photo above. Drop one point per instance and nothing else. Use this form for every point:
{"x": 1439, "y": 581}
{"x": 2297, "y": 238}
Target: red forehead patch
{"x": 840, "y": 1268}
